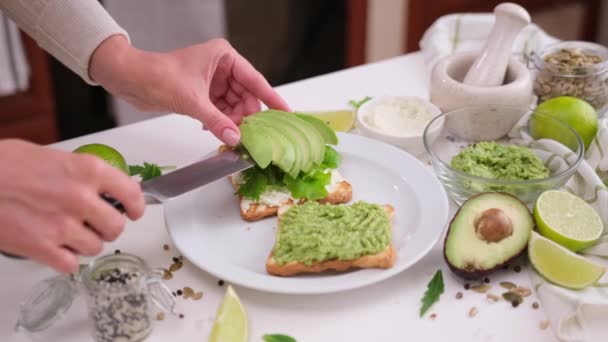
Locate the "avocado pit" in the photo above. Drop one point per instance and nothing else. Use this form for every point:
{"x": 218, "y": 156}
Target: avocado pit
{"x": 493, "y": 225}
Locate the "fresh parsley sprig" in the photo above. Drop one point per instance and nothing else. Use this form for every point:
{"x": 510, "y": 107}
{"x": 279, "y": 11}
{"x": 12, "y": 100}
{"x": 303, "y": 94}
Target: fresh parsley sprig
{"x": 433, "y": 291}
{"x": 148, "y": 170}
{"x": 358, "y": 104}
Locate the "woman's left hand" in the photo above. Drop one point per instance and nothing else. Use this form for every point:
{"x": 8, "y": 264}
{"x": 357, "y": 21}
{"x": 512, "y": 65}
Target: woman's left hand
{"x": 211, "y": 82}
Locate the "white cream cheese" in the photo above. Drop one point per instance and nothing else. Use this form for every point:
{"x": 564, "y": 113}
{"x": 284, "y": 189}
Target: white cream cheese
{"x": 399, "y": 116}
{"x": 279, "y": 197}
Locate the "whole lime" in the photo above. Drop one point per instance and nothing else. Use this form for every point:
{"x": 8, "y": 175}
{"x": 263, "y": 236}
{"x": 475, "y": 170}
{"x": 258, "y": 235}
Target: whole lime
{"x": 574, "y": 112}
{"x": 107, "y": 153}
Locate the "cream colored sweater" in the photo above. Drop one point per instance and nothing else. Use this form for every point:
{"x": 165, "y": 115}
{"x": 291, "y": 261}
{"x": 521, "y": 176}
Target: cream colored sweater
{"x": 70, "y": 30}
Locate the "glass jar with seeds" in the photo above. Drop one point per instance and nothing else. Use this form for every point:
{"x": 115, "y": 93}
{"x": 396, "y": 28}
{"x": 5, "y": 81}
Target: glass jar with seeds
{"x": 572, "y": 68}
{"x": 121, "y": 293}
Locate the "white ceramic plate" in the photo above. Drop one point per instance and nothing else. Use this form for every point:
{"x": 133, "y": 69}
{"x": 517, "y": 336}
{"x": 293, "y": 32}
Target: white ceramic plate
{"x": 206, "y": 227}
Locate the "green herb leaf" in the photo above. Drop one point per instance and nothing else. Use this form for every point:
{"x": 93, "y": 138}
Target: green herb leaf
{"x": 255, "y": 181}
{"x": 434, "y": 290}
{"x": 147, "y": 170}
{"x": 278, "y": 338}
{"x": 310, "y": 186}
{"x": 358, "y": 104}
{"x": 331, "y": 159}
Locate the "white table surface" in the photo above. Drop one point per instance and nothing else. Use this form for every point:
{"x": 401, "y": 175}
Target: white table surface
{"x": 385, "y": 311}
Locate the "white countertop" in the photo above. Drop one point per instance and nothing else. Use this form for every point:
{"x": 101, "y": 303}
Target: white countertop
{"x": 385, "y": 311}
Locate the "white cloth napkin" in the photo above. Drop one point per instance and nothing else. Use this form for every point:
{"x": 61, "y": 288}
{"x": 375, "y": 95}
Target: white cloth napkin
{"x": 574, "y": 315}
{"x": 14, "y": 70}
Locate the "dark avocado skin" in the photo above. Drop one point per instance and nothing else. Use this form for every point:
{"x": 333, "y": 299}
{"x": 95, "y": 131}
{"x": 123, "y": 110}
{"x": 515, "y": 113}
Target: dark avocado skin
{"x": 478, "y": 274}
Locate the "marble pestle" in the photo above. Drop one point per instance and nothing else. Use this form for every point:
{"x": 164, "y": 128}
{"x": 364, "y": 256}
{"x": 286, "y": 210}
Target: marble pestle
{"x": 490, "y": 66}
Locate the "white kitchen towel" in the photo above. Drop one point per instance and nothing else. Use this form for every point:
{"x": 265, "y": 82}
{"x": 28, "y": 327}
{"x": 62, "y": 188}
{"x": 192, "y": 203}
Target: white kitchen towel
{"x": 14, "y": 70}
{"x": 468, "y": 31}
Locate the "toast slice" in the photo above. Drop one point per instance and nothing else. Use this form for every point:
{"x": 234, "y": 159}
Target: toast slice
{"x": 383, "y": 259}
{"x": 342, "y": 192}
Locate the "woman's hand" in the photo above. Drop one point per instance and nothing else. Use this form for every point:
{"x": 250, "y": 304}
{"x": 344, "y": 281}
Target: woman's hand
{"x": 46, "y": 196}
{"x": 210, "y": 82}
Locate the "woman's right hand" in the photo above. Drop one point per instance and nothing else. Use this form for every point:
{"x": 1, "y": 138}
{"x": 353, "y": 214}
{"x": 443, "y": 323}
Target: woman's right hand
{"x": 46, "y": 196}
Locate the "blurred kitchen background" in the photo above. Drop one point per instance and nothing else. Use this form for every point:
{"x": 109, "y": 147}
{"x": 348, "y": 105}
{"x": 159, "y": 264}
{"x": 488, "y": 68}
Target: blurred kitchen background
{"x": 287, "y": 40}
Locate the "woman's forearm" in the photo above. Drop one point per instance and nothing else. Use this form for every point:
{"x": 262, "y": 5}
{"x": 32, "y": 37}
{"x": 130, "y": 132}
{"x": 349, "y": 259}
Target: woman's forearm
{"x": 70, "y": 30}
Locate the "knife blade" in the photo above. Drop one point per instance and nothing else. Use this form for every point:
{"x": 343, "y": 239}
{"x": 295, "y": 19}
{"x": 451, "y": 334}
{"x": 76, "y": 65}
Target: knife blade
{"x": 194, "y": 176}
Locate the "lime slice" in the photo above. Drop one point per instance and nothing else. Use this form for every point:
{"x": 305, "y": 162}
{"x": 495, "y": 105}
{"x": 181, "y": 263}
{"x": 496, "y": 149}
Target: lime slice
{"x": 107, "y": 153}
{"x": 339, "y": 120}
{"x": 560, "y": 265}
{"x": 567, "y": 220}
{"x": 231, "y": 323}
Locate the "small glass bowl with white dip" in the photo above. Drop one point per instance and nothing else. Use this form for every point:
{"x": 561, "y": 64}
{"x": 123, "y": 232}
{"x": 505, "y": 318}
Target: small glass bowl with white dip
{"x": 397, "y": 120}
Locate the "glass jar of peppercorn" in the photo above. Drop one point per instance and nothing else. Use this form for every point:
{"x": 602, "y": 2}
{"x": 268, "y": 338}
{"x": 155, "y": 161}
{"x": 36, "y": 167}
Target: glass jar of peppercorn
{"x": 121, "y": 293}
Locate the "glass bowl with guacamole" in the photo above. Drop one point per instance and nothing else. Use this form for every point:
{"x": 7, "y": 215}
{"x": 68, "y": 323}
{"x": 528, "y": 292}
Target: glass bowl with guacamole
{"x": 516, "y": 150}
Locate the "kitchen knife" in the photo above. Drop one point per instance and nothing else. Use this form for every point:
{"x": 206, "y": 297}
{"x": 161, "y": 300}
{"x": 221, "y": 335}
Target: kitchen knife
{"x": 162, "y": 188}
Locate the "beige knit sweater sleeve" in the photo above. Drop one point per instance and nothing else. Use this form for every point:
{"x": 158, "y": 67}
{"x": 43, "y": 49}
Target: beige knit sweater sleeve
{"x": 70, "y": 30}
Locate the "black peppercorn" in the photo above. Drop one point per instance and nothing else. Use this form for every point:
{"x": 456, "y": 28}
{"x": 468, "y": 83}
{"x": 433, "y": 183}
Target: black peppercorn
{"x": 220, "y": 282}
{"x": 179, "y": 292}
{"x": 467, "y": 286}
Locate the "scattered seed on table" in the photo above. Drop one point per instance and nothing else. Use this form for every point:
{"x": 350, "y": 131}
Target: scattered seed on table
{"x": 507, "y": 285}
{"x": 535, "y": 305}
{"x": 473, "y": 311}
{"x": 181, "y": 315}
{"x": 544, "y": 325}
{"x": 517, "y": 268}
{"x": 433, "y": 315}
{"x": 486, "y": 279}
{"x": 220, "y": 282}
{"x": 167, "y": 275}
{"x": 459, "y": 295}
{"x": 515, "y": 304}
{"x": 481, "y": 288}
{"x": 467, "y": 286}
{"x": 117, "y": 251}
{"x": 197, "y": 295}
{"x": 175, "y": 266}
{"x": 160, "y": 316}
{"x": 179, "y": 292}
{"x": 188, "y": 292}
{"x": 166, "y": 247}
{"x": 175, "y": 259}
{"x": 492, "y": 297}
{"x": 505, "y": 267}
{"x": 522, "y": 291}
{"x": 513, "y": 298}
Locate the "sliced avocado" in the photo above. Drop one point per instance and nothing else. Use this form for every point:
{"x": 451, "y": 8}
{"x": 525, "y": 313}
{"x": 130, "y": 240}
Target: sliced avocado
{"x": 314, "y": 146}
{"x": 487, "y": 232}
{"x": 328, "y": 134}
{"x": 255, "y": 141}
{"x": 284, "y": 152}
{"x": 296, "y": 141}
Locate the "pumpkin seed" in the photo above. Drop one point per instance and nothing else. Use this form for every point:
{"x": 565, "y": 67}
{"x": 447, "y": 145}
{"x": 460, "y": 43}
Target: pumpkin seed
{"x": 167, "y": 274}
{"x": 513, "y": 298}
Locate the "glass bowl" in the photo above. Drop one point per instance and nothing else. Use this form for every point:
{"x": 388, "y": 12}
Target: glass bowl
{"x": 452, "y": 132}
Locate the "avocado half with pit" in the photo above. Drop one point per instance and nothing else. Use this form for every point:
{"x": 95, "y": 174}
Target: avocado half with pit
{"x": 488, "y": 231}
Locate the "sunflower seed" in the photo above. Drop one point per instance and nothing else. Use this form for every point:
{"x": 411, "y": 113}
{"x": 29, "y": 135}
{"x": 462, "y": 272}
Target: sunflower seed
{"x": 544, "y": 325}
{"x": 522, "y": 291}
{"x": 473, "y": 311}
{"x": 481, "y": 288}
{"x": 507, "y": 285}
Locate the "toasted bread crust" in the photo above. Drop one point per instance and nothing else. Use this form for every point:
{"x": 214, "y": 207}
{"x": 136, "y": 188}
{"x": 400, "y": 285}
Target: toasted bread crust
{"x": 257, "y": 211}
{"x": 383, "y": 259}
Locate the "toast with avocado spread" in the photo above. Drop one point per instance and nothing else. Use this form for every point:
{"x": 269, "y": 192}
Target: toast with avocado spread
{"x": 314, "y": 237}
{"x": 295, "y": 163}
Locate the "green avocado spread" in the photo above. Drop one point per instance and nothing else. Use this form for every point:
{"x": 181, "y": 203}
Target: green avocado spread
{"x": 498, "y": 161}
{"x": 314, "y": 232}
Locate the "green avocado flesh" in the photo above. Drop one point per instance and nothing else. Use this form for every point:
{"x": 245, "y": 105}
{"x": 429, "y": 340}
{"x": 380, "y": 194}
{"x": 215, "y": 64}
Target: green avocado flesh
{"x": 491, "y": 160}
{"x": 314, "y": 232}
{"x": 293, "y": 142}
{"x": 470, "y": 255}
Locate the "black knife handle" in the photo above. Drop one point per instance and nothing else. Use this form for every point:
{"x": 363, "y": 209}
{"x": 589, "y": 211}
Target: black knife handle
{"x": 111, "y": 200}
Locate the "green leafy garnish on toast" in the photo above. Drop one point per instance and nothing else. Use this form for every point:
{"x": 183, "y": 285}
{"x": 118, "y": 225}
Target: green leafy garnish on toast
{"x": 278, "y": 338}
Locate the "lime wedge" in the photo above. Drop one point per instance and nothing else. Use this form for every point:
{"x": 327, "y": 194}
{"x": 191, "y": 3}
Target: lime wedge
{"x": 561, "y": 266}
{"x": 231, "y": 324}
{"x": 339, "y": 120}
{"x": 567, "y": 220}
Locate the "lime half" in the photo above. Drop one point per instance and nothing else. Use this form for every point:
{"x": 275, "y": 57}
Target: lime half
{"x": 230, "y": 323}
{"x": 107, "y": 153}
{"x": 560, "y": 265}
{"x": 339, "y": 120}
{"x": 567, "y": 220}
